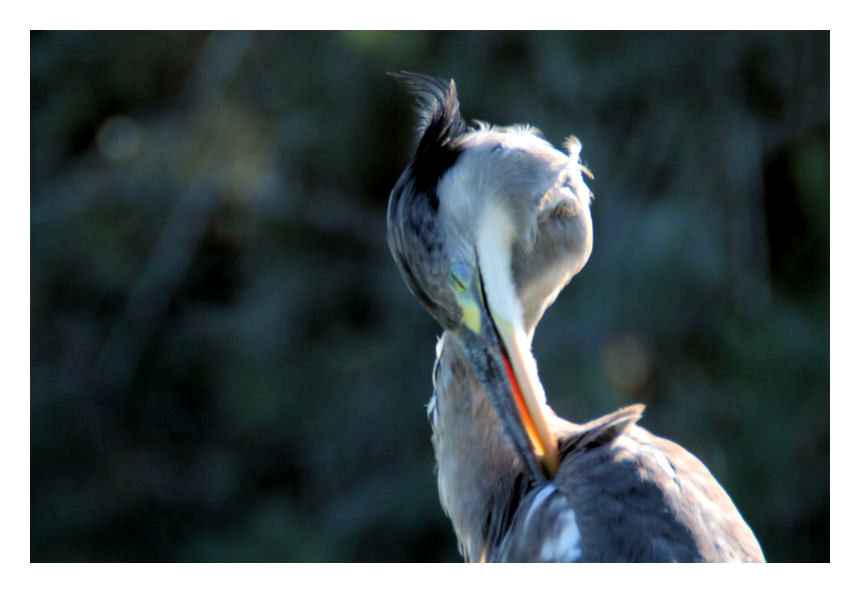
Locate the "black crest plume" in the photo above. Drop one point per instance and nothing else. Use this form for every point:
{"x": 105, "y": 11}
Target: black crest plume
{"x": 439, "y": 119}
{"x": 439, "y": 123}
{"x": 413, "y": 236}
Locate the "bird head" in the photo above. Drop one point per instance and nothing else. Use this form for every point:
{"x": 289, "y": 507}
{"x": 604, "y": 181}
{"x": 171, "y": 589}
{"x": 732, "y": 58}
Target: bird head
{"x": 487, "y": 224}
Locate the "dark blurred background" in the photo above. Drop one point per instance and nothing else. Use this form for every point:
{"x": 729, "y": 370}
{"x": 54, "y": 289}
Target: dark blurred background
{"x": 227, "y": 366}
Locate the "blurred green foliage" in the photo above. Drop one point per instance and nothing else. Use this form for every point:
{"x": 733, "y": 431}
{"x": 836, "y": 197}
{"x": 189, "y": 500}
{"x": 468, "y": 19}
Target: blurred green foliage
{"x": 226, "y": 365}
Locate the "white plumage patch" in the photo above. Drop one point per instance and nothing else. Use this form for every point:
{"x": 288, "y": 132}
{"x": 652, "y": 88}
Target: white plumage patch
{"x": 494, "y": 239}
{"x": 562, "y": 544}
{"x": 565, "y": 546}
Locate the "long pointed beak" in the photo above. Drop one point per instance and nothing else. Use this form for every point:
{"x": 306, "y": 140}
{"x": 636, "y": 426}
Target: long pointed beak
{"x": 499, "y": 351}
{"x": 527, "y": 391}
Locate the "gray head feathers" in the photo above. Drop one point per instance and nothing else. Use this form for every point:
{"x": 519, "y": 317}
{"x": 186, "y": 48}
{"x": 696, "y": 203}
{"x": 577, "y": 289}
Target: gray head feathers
{"x": 541, "y": 187}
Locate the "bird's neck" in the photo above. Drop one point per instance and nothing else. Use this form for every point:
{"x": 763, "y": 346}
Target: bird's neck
{"x": 476, "y": 461}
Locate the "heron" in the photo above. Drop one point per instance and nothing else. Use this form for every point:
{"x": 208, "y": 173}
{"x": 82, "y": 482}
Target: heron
{"x": 487, "y": 224}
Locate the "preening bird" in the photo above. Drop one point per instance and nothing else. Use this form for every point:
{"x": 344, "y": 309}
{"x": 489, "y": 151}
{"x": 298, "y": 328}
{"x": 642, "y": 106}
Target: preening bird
{"x": 487, "y": 224}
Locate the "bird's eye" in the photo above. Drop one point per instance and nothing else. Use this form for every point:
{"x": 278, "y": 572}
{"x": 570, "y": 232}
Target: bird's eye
{"x": 460, "y": 275}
